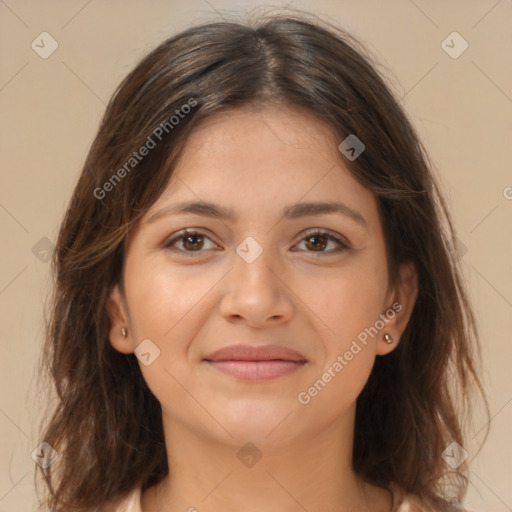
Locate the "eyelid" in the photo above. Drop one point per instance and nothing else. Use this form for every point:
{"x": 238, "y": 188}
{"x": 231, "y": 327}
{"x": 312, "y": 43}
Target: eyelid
{"x": 327, "y": 233}
{"x": 342, "y": 243}
{"x": 179, "y": 235}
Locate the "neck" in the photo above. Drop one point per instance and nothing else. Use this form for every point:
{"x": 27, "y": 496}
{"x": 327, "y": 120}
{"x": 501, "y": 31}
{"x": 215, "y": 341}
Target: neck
{"x": 206, "y": 475}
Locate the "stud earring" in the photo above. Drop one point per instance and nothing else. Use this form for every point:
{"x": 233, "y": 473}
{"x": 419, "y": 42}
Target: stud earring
{"x": 388, "y": 338}
{"x": 124, "y": 332}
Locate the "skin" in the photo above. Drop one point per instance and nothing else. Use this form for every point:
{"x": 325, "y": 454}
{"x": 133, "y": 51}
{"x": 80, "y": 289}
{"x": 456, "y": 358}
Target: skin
{"x": 257, "y": 161}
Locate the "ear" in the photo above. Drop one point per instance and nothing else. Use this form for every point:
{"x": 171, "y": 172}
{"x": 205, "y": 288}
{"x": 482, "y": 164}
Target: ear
{"x": 117, "y": 314}
{"x": 400, "y": 303}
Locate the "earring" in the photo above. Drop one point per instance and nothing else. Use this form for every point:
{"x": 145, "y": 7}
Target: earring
{"x": 124, "y": 332}
{"x": 388, "y": 338}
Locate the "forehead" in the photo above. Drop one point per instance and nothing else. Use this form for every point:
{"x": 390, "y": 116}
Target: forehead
{"x": 263, "y": 138}
{"x": 259, "y": 159}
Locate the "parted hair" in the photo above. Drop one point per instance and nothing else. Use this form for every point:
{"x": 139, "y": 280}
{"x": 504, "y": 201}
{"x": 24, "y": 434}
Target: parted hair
{"x": 103, "y": 421}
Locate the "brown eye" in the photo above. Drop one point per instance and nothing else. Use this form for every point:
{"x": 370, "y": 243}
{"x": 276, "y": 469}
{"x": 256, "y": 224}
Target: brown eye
{"x": 188, "y": 243}
{"x": 317, "y": 241}
{"x": 193, "y": 242}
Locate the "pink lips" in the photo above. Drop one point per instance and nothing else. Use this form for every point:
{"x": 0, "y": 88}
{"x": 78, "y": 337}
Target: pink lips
{"x": 253, "y": 363}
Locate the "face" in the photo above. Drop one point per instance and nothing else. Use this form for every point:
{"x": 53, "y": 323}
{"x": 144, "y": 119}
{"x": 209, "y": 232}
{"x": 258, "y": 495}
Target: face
{"x": 272, "y": 272}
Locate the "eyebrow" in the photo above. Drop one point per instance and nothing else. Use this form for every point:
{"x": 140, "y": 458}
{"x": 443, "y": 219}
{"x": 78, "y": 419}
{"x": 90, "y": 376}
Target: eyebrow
{"x": 295, "y": 211}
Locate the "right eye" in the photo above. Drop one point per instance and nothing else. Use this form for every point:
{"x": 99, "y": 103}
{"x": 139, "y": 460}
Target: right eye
{"x": 191, "y": 241}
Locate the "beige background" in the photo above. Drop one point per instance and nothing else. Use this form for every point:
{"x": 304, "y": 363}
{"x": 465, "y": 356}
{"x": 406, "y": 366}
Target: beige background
{"x": 51, "y": 109}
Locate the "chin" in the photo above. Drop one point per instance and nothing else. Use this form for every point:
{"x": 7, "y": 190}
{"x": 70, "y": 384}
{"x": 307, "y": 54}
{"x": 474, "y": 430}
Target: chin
{"x": 267, "y": 426}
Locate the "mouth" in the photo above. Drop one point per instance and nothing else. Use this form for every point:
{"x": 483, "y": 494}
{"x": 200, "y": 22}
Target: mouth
{"x": 256, "y": 363}
{"x": 257, "y": 370}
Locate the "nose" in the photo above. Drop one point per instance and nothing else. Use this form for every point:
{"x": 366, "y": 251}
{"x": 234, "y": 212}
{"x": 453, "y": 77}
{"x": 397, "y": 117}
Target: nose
{"x": 257, "y": 292}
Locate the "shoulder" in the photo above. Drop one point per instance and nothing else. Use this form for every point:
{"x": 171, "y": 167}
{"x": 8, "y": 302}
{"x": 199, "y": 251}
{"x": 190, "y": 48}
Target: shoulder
{"x": 403, "y": 502}
{"x": 129, "y": 503}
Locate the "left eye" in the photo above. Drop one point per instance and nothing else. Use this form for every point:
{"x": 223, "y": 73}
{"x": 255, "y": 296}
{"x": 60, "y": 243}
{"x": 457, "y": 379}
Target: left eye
{"x": 319, "y": 239}
{"x": 193, "y": 242}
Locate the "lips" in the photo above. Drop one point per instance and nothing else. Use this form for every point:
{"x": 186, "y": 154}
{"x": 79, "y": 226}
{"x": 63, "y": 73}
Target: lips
{"x": 256, "y": 363}
{"x": 255, "y": 353}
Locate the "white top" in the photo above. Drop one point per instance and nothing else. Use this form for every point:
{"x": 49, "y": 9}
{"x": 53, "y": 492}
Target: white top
{"x": 401, "y": 502}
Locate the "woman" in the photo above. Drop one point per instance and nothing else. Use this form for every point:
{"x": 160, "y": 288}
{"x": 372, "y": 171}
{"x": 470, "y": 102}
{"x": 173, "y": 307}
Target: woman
{"x": 256, "y": 304}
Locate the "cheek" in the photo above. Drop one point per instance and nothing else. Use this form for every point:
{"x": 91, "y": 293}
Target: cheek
{"x": 336, "y": 389}
{"x": 162, "y": 300}
{"x": 162, "y": 307}
{"x": 167, "y": 306}
{"x": 350, "y": 301}
{"x": 349, "y": 308}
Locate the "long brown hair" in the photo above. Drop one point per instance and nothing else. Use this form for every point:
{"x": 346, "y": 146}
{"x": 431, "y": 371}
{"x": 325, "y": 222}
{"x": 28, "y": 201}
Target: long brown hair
{"x": 106, "y": 425}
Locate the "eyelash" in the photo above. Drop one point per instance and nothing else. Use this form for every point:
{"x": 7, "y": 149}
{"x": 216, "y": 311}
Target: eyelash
{"x": 342, "y": 246}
